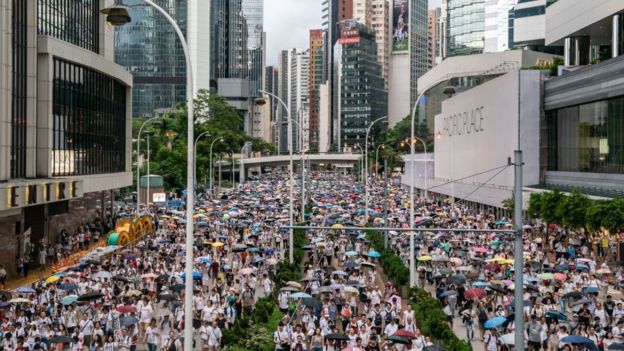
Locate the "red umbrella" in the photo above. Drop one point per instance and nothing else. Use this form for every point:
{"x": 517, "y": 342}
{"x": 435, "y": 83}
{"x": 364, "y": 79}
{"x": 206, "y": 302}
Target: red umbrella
{"x": 492, "y": 267}
{"x": 126, "y": 309}
{"x": 475, "y": 293}
{"x": 405, "y": 334}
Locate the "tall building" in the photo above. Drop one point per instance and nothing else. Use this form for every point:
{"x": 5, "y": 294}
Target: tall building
{"x": 363, "y": 12}
{"x": 498, "y": 25}
{"x": 432, "y": 37}
{"x": 465, "y": 27}
{"x": 375, "y": 14}
{"x": 417, "y": 44}
{"x": 315, "y": 79}
{"x": 299, "y": 60}
{"x": 253, "y": 12}
{"x": 150, "y": 50}
{"x": 360, "y": 94}
{"x": 283, "y": 89}
{"x": 65, "y": 122}
{"x": 271, "y": 85}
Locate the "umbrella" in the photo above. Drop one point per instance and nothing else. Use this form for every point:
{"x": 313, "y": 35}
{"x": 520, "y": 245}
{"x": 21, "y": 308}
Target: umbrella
{"x": 61, "y": 339}
{"x": 434, "y": 348}
{"x": 166, "y": 297}
{"x": 127, "y": 321}
{"x": 196, "y": 275}
{"x": 573, "y": 294}
{"x": 69, "y": 299}
{"x": 340, "y": 273}
{"x": 398, "y": 340}
{"x": 300, "y": 295}
{"x": 576, "y": 339}
{"x": 126, "y": 309}
{"x": 177, "y": 287}
{"x": 25, "y": 290}
{"x": 479, "y": 284}
{"x": 495, "y": 322}
{"x": 134, "y": 293}
{"x": 52, "y": 279}
{"x": 457, "y": 279}
{"x": 557, "y": 315}
{"x": 480, "y": 250}
{"x": 508, "y": 339}
{"x": 19, "y": 300}
{"x": 120, "y": 278}
{"x": 294, "y": 284}
{"x": 272, "y": 261}
{"x": 289, "y": 288}
{"x": 149, "y": 276}
{"x": 425, "y": 258}
{"x": 448, "y": 293}
{"x": 616, "y": 347}
{"x": 68, "y": 287}
{"x": 246, "y": 271}
{"x": 559, "y": 276}
{"x": 93, "y": 295}
{"x": 351, "y": 253}
{"x": 591, "y": 290}
{"x": 205, "y": 260}
{"x": 311, "y": 302}
{"x": 546, "y": 276}
{"x": 217, "y": 244}
{"x": 405, "y": 334}
{"x": 582, "y": 267}
{"x": 351, "y": 289}
{"x": 337, "y": 336}
{"x": 373, "y": 254}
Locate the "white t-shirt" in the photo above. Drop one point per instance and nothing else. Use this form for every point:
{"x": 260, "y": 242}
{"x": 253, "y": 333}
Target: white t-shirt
{"x": 86, "y": 327}
{"x": 152, "y": 335}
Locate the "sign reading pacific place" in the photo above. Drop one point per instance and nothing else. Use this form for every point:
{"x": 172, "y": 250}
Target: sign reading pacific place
{"x": 467, "y": 122}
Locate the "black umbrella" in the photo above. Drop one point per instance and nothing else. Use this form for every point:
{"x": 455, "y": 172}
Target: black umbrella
{"x": 434, "y": 348}
{"x": 94, "y": 295}
{"x": 166, "y": 297}
{"x": 573, "y": 294}
{"x": 311, "y": 302}
{"x": 120, "y": 278}
{"x": 56, "y": 339}
{"x": 68, "y": 286}
{"x": 456, "y": 279}
{"x": 616, "y": 347}
{"x": 177, "y": 287}
{"x": 337, "y": 336}
{"x": 398, "y": 340}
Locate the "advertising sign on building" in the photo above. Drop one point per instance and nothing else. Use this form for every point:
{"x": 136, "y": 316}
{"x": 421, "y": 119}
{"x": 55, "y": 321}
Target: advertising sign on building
{"x": 159, "y": 197}
{"x": 350, "y": 40}
{"x": 400, "y": 26}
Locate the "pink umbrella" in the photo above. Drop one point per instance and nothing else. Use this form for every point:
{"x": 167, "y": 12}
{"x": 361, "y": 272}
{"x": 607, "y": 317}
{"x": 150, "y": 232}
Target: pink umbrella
{"x": 480, "y": 250}
{"x": 475, "y": 293}
{"x": 560, "y": 276}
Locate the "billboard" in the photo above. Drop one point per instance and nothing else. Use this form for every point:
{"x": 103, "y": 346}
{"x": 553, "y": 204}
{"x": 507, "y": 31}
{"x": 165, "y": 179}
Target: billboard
{"x": 400, "y": 25}
{"x": 349, "y": 40}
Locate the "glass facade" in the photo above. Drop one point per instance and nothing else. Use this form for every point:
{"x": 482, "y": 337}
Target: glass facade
{"x": 253, "y": 12}
{"x": 89, "y": 121}
{"x": 587, "y": 138}
{"x": 363, "y": 97}
{"x": 465, "y": 27}
{"x": 73, "y": 21}
{"x": 228, "y": 54}
{"x": 18, "y": 91}
{"x": 151, "y": 51}
{"x": 418, "y": 45}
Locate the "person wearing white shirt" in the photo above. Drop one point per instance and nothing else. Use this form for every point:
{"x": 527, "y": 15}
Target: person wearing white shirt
{"x": 214, "y": 336}
{"x": 391, "y": 328}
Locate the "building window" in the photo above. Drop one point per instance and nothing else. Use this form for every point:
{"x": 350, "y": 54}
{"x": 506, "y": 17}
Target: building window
{"x": 89, "y": 121}
{"x": 73, "y": 21}
{"x": 587, "y": 138}
{"x": 18, "y": 91}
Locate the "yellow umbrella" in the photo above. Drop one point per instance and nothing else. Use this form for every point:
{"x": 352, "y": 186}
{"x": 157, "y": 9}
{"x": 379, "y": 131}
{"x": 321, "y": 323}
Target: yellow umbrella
{"x": 217, "y": 244}
{"x": 425, "y": 258}
{"x": 165, "y": 217}
{"x": 134, "y": 293}
{"x": 337, "y": 225}
{"x": 508, "y": 261}
{"x": 52, "y": 279}
{"x": 19, "y": 300}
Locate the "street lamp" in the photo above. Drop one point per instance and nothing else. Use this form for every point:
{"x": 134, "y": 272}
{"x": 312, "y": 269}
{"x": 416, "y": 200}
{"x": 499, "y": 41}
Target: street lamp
{"x": 361, "y": 160}
{"x": 377, "y": 158}
{"x": 366, "y": 165}
{"x": 292, "y": 181}
{"x": 138, "y": 201}
{"x": 147, "y": 195}
{"x": 241, "y": 174}
{"x": 212, "y": 166}
{"x": 118, "y": 15}
{"x": 195, "y": 156}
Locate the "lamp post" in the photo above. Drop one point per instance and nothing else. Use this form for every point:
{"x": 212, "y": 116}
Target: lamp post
{"x": 377, "y": 158}
{"x": 361, "y": 160}
{"x": 292, "y": 181}
{"x": 195, "y": 156}
{"x": 366, "y": 164}
{"x": 118, "y": 15}
{"x": 147, "y": 195}
{"x": 212, "y": 166}
{"x": 241, "y": 174}
{"x": 138, "y": 201}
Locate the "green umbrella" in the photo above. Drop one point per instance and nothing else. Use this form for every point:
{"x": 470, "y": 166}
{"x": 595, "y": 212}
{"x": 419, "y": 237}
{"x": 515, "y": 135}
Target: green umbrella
{"x": 546, "y": 276}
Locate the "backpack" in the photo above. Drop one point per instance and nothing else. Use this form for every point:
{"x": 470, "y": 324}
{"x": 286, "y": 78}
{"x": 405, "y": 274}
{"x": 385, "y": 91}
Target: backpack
{"x": 377, "y": 319}
{"x": 483, "y": 317}
{"x": 388, "y": 317}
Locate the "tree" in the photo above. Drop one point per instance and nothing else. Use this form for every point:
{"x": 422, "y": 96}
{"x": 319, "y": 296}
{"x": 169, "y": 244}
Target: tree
{"x": 549, "y": 203}
{"x": 509, "y": 203}
{"x": 595, "y": 215}
{"x": 572, "y": 209}
{"x": 535, "y": 205}
{"x": 402, "y": 131}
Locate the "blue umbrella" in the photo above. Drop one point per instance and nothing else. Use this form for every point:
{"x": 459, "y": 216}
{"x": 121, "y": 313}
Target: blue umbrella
{"x": 374, "y": 254}
{"x": 590, "y": 290}
{"x": 69, "y": 299}
{"x": 165, "y": 241}
{"x": 480, "y": 284}
{"x": 127, "y": 321}
{"x": 495, "y": 322}
{"x": 351, "y": 253}
{"x": 582, "y": 267}
{"x": 562, "y": 267}
{"x": 205, "y": 260}
{"x": 25, "y": 290}
{"x": 576, "y": 339}
{"x": 448, "y": 293}
{"x": 300, "y": 295}
{"x": 68, "y": 286}
{"x": 202, "y": 224}
{"x": 196, "y": 275}
{"x": 557, "y": 315}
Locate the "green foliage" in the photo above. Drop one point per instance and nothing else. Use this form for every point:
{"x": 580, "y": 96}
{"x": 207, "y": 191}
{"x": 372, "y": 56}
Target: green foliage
{"x": 535, "y": 205}
{"x": 572, "y": 208}
{"x": 168, "y": 140}
{"x": 392, "y": 264}
{"x": 552, "y": 66}
{"x": 549, "y": 204}
{"x": 508, "y": 204}
{"x": 292, "y": 271}
{"x": 254, "y": 333}
{"x": 433, "y": 322}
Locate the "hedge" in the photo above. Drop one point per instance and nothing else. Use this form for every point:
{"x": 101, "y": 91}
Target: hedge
{"x": 392, "y": 264}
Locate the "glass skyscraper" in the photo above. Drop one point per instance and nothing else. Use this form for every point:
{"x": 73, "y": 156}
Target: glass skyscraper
{"x": 418, "y": 45}
{"x": 253, "y": 11}
{"x": 465, "y": 28}
{"x": 150, "y": 50}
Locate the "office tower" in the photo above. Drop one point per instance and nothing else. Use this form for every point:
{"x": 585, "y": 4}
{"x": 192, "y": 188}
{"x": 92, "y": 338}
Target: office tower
{"x": 498, "y": 25}
{"x": 375, "y": 14}
{"x": 254, "y": 19}
{"x": 432, "y": 39}
{"x": 299, "y": 60}
{"x": 359, "y": 91}
{"x": 283, "y": 85}
{"x": 417, "y": 44}
{"x": 315, "y": 79}
{"x": 65, "y": 122}
{"x": 271, "y": 85}
{"x": 465, "y": 27}
{"x": 150, "y": 50}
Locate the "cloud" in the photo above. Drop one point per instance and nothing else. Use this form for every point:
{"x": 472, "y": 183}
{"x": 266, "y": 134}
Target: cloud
{"x": 288, "y": 23}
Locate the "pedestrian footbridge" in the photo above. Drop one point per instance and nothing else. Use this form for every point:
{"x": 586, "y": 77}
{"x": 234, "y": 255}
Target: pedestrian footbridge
{"x": 334, "y": 159}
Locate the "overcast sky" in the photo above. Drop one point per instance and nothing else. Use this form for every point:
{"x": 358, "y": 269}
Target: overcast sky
{"x": 288, "y": 23}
